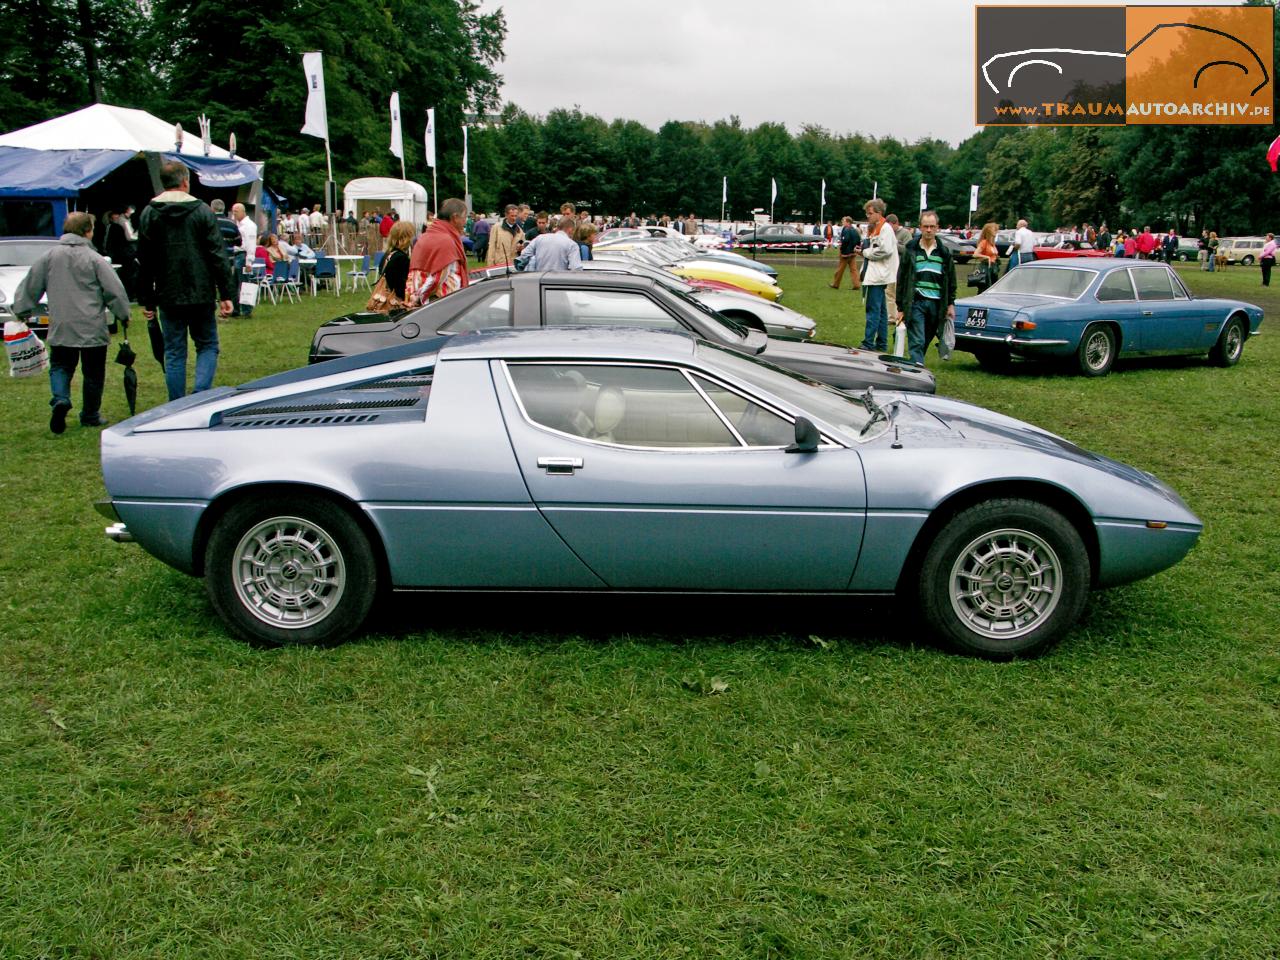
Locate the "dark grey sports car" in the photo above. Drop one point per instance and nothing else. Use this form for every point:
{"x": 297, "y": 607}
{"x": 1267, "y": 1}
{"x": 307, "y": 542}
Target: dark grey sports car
{"x": 779, "y": 234}
{"x": 606, "y": 298}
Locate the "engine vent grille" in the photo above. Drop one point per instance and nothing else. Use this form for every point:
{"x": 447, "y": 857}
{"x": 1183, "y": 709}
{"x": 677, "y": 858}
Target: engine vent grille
{"x": 423, "y": 380}
{"x": 304, "y": 420}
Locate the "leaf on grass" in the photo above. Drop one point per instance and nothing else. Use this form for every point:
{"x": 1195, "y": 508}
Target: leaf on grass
{"x": 717, "y": 686}
{"x": 762, "y": 769}
{"x": 56, "y": 720}
{"x": 822, "y": 644}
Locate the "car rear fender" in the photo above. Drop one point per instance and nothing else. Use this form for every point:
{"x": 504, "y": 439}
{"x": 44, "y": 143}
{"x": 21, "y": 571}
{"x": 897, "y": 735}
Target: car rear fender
{"x": 1048, "y": 494}
{"x": 218, "y": 508}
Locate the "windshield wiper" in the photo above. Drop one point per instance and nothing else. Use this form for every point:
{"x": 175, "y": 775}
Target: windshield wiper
{"x": 878, "y": 413}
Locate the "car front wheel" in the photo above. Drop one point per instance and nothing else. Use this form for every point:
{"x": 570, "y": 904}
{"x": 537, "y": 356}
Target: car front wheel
{"x": 1230, "y": 346}
{"x": 1004, "y": 579}
{"x": 1097, "y": 351}
{"x": 280, "y": 570}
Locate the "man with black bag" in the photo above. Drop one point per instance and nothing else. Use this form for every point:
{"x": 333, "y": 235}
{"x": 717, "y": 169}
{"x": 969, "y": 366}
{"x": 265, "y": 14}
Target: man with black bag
{"x": 83, "y": 290}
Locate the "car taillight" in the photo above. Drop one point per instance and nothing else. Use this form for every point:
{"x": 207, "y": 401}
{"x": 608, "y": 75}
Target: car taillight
{"x": 1024, "y": 324}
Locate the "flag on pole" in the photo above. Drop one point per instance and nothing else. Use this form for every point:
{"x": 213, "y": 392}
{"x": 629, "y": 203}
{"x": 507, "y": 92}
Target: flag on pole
{"x": 397, "y": 139}
{"x": 973, "y": 198}
{"x": 875, "y": 187}
{"x": 724, "y": 190}
{"x": 1273, "y": 153}
{"x": 773, "y": 186}
{"x": 824, "y": 192}
{"x": 924, "y": 193}
{"x": 464, "y": 150}
{"x": 430, "y": 138}
{"x": 316, "y": 122}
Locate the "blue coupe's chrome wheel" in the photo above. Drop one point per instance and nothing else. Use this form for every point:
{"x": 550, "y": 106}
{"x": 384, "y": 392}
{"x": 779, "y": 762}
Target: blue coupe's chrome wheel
{"x": 289, "y": 572}
{"x": 1097, "y": 350}
{"x": 1235, "y": 341}
{"x": 1005, "y": 583}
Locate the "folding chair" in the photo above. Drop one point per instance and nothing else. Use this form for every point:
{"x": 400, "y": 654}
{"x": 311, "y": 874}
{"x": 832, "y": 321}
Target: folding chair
{"x": 293, "y": 284}
{"x": 361, "y": 274}
{"x": 278, "y": 278}
{"x": 376, "y": 263}
{"x": 326, "y": 271}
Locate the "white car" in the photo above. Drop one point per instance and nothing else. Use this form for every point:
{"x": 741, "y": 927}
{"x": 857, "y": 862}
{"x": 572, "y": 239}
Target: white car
{"x": 17, "y": 254}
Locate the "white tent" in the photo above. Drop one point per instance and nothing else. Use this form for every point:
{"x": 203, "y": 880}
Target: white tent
{"x": 106, "y": 127}
{"x": 407, "y": 198}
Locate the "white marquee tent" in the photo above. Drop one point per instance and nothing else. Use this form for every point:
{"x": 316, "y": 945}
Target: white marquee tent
{"x": 406, "y": 197}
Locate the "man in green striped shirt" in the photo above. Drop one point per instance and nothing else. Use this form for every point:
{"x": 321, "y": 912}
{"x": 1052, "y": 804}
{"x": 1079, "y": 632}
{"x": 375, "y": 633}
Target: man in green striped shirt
{"x": 926, "y": 293}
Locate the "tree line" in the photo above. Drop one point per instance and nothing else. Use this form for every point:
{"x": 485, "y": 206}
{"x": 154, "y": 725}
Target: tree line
{"x": 241, "y": 65}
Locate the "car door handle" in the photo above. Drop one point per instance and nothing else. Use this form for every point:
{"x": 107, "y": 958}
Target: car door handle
{"x": 1148, "y": 313}
{"x": 560, "y": 466}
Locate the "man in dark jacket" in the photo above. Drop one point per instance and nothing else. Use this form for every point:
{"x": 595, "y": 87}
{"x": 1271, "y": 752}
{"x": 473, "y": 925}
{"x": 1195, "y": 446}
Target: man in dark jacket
{"x": 184, "y": 269}
{"x": 850, "y": 241}
{"x": 926, "y": 292}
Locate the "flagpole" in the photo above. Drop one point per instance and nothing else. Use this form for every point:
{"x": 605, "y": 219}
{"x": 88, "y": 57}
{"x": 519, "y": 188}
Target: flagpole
{"x": 435, "y": 193}
{"x": 328, "y": 190}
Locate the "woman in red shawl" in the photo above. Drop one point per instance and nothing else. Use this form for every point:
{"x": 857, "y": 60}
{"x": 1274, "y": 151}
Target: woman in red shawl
{"x": 438, "y": 263}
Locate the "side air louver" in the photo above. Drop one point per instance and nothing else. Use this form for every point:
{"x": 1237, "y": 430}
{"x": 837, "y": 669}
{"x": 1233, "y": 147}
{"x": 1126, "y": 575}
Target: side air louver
{"x": 315, "y": 414}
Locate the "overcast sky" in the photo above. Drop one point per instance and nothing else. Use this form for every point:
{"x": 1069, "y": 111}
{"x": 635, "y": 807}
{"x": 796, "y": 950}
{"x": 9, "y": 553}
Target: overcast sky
{"x": 902, "y": 68}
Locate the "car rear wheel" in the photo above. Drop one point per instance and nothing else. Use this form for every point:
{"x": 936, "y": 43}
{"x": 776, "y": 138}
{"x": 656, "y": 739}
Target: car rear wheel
{"x": 1004, "y": 579}
{"x": 993, "y": 359}
{"x": 1230, "y": 346}
{"x": 280, "y": 570}
{"x": 1247, "y": 260}
{"x": 1097, "y": 351}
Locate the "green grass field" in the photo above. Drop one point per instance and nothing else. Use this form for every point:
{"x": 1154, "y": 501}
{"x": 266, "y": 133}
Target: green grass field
{"x": 526, "y": 777}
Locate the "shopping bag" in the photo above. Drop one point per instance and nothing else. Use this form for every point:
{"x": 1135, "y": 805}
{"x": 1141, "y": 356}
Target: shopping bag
{"x": 947, "y": 338}
{"x": 248, "y": 294}
{"x": 27, "y": 355}
{"x": 900, "y": 340}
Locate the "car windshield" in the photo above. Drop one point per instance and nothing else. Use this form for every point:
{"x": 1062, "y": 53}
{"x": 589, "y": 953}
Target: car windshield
{"x": 23, "y": 254}
{"x": 1058, "y": 282}
{"x": 833, "y": 406}
{"x": 731, "y": 330}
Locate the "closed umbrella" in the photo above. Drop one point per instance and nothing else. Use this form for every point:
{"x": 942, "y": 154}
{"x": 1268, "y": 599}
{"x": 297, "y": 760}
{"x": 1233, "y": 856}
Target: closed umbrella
{"x": 125, "y": 357}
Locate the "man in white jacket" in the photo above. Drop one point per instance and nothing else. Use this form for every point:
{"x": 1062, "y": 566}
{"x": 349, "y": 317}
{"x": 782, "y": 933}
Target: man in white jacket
{"x": 881, "y": 253}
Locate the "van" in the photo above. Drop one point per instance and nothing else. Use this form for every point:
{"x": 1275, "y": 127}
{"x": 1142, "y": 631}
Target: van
{"x": 1242, "y": 250}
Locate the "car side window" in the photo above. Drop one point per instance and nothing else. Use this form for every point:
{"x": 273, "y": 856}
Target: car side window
{"x": 1153, "y": 283}
{"x": 1115, "y": 286}
{"x": 756, "y": 425}
{"x": 614, "y": 307}
{"x": 488, "y": 312}
{"x": 628, "y": 405}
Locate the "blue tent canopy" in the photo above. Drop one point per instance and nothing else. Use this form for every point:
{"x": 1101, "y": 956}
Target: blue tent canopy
{"x": 218, "y": 171}
{"x": 55, "y": 173}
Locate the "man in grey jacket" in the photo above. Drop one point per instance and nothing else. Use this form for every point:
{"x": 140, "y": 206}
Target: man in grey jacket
{"x": 83, "y": 290}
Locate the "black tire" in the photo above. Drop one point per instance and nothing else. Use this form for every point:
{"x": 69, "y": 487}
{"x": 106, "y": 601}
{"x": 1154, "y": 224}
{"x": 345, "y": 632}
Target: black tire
{"x": 1096, "y": 353}
{"x": 1230, "y": 346}
{"x": 1247, "y": 260}
{"x": 994, "y": 359}
{"x": 1184, "y": 257}
{"x": 283, "y": 571}
{"x": 1004, "y": 579}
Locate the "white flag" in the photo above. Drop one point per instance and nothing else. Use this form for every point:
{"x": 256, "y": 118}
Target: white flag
{"x": 924, "y": 190}
{"x": 824, "y": 192}
{"x": 464, "y": 150}
{"x": 973, "y": 198}
{"x": 773, "y": 186}
{"x": 397, "y": 138}
{"x": 724, "y": 190}
{"x": 875, "y": 187}
{"x": 430, "y": 138}
{"x": 316, "y": 123}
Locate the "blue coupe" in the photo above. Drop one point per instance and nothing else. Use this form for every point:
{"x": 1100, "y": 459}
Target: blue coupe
{"x": 1093, "y": 311}
{"x": 622, "y": 459}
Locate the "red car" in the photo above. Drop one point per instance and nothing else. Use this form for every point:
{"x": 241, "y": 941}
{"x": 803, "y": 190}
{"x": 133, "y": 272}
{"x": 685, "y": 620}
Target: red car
{"x": 1068, "y": 248}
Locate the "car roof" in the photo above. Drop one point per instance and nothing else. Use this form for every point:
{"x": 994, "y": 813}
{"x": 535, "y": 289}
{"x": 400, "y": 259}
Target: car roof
{"x": 587, "y": 342}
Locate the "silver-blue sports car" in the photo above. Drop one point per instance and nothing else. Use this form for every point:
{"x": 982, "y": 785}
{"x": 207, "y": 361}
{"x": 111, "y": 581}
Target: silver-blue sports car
{"x": 622, "y": 459}
{"x": 1091, "y": 311}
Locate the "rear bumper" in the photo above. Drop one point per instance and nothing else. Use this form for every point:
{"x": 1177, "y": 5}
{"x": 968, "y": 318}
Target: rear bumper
{"x": 968, "y": 340}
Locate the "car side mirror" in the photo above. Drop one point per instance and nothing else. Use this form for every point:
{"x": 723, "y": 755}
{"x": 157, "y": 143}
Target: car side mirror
{"x": 807, "y": 437}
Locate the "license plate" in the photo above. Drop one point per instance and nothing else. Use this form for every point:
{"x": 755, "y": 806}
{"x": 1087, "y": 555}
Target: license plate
{"x": 976, "y": 317}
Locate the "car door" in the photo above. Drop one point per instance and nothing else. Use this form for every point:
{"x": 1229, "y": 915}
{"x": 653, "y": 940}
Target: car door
{"x": 1117, "y": 301}
{"x": 1168, "y": 323}
{"x": 661, "y": 478}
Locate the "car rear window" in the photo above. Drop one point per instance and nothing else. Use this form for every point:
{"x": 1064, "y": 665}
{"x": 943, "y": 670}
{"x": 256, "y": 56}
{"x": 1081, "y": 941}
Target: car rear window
{"x": 1045, "y": 282}
{"x": 1153, "y": 283}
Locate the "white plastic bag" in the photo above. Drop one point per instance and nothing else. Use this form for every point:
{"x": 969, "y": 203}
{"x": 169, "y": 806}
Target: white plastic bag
{"x": 947, "y": 341}
{"x": 248, "y": 294}
{"x": 27, "y": 355}
{"x": 900, "y": 340}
